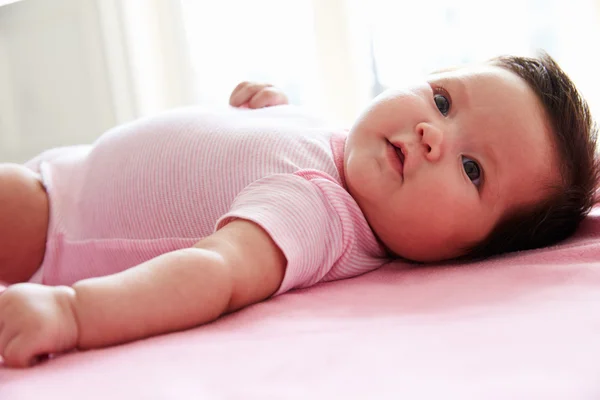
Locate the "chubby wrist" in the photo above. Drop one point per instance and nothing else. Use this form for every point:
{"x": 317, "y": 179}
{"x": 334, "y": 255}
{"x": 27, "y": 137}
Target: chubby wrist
{"x": 66, "y": 297}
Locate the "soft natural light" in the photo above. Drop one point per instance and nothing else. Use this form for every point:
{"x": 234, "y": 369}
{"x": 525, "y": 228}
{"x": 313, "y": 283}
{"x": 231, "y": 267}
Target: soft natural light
{"x": 398, "y": 40}
{"x": 263, "y": 40}
{"x": 411, "y": 40}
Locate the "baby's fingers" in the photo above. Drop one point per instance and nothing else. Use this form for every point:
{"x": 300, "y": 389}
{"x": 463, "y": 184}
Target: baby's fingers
{"x": 10, "y": 349}
{"x": 244, "y": 92}
{"x": 5, "y": 338}
{"x": 268, "y": 97}
{"x": 19, "y": 353}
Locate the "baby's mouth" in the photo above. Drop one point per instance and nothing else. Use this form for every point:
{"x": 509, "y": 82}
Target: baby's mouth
{"x": 399, "y": 153}
{"x": 396, "y": 157}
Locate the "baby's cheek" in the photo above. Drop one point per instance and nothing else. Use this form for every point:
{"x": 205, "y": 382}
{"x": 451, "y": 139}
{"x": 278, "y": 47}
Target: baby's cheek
{"x": 360, "y": 177}
{"x": 442, "y": 205}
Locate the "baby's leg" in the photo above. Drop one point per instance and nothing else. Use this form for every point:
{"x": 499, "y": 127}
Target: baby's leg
{"x": 23, "y": 222}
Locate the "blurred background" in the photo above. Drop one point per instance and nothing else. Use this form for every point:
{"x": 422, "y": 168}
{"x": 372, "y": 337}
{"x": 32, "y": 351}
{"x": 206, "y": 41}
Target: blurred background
{"x": 70, "y": 69}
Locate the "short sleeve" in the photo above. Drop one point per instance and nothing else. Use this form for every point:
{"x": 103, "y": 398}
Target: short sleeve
{"x": 300, "y": 219}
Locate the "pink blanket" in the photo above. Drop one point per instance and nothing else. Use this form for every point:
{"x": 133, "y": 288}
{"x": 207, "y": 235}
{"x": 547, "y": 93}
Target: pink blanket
{"x": 521, "y": 326}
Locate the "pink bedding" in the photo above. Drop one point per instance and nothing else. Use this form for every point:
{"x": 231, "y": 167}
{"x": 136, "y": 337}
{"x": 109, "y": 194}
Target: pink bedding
{"x": 522, "y": 326}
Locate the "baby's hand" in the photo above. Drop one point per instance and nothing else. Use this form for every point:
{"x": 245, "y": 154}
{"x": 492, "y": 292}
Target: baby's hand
{"x": 256, "y": 95}
{"x": 36, "y": 320}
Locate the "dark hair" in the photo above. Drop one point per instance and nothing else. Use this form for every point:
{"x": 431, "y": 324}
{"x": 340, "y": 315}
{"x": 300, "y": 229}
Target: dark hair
{"x": 574, "y": 133}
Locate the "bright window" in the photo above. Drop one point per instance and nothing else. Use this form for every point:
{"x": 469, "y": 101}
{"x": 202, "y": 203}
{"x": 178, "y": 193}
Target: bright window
{"x": 414, "y": 38}
{"x": 262, "y": 40}
{"x": 341, "y": 53}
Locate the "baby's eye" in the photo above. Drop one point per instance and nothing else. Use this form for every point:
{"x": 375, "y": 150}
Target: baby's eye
{"x": 472, "y": 170}
{"x": 442, "y": 101}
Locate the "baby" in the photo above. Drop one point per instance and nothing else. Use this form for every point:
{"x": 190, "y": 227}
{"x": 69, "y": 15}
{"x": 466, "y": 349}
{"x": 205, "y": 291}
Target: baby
{"x": 169, "y": 222}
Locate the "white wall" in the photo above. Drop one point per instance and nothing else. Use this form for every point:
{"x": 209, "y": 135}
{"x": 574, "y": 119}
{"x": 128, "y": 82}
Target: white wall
{"x": 54, "y": 85}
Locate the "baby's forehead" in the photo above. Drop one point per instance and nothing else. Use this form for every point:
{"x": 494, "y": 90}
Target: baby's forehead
{"x": 486, "y": 81}
{"x": 467, "y": 70}
{"x": 445, "y": 70}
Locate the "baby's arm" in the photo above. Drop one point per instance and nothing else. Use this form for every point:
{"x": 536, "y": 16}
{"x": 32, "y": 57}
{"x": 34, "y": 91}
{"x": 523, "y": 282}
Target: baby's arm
{"x": 236, "y": 266}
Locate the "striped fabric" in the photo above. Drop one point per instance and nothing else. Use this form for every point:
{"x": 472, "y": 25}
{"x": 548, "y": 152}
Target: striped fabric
{"x": 162, "y": 183}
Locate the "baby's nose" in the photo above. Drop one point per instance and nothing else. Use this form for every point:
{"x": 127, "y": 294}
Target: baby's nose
{"x": 432, "y": 139}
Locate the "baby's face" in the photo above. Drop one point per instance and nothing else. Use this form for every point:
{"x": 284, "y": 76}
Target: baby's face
{"x": 435, "y": 166}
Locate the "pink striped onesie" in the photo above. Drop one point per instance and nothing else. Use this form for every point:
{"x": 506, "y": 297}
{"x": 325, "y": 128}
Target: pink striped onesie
{"x": 163, "y": 183}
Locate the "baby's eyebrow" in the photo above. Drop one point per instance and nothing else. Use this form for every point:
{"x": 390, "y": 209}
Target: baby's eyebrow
{"x": 443, "y": 70}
